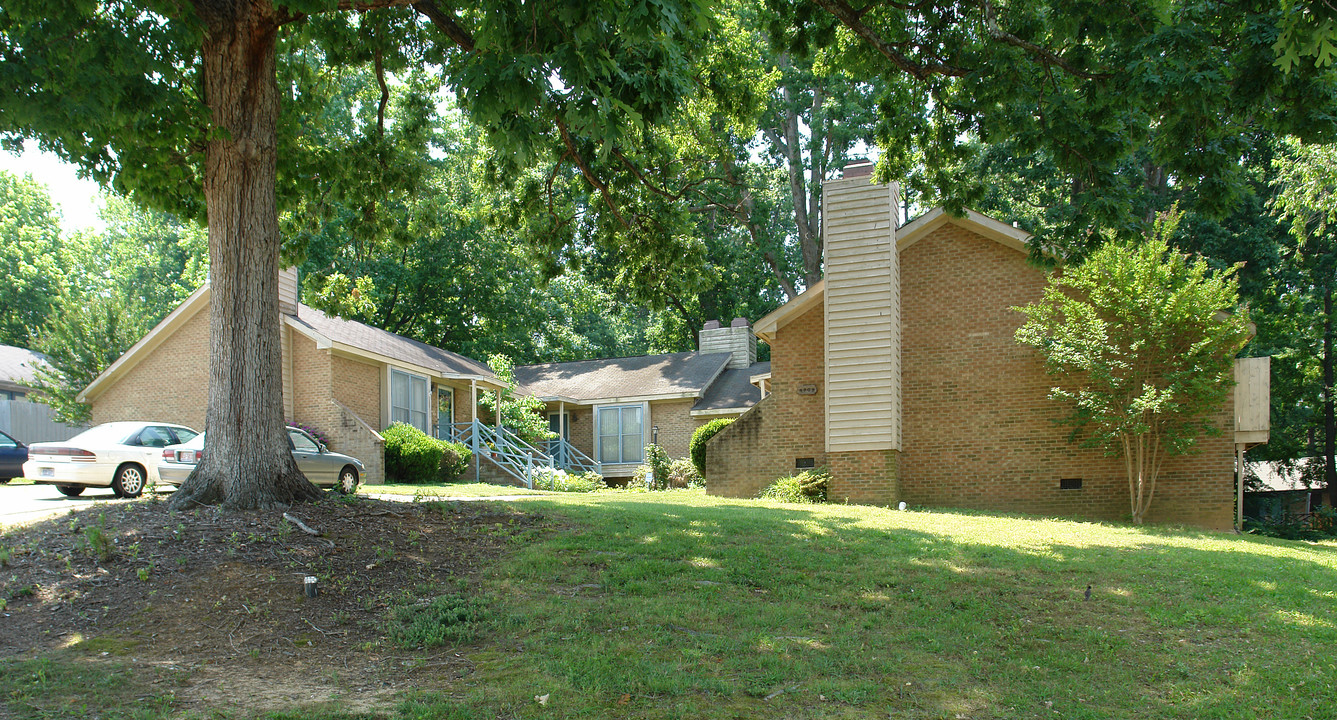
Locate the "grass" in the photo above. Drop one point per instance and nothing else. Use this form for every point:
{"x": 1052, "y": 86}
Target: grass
{"x": 680, "y": 605}
{"x": 461, "y": 489}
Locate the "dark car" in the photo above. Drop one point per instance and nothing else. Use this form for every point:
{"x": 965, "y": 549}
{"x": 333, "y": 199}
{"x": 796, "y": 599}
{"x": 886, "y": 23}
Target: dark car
{"x": 12, "y": 456}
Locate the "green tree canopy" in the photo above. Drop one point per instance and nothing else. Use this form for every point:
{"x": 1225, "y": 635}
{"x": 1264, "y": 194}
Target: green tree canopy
{"x": 1141, "y": 341}
{"x": 31, "y": 256}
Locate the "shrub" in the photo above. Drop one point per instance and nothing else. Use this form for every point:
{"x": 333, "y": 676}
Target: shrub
{"x": 1318, "y": 525}
{"x": 454, "y": 461}
{"x": 658, "y": 462}
{"x": 697, "y": 448}
{"x": 561, "y": 481}
{"x": 410, "y": 456}
{"x": 683, "y": 474}
{"x": 808, "y": 486}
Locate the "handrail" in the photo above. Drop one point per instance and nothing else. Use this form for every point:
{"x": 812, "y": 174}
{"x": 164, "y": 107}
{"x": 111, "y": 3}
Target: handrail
{"x": 512, "y": 454}
{"x": 569, "y": 457}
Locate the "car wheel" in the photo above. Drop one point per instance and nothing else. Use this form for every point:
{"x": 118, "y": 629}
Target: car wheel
{"x": 347, "y": 483}
{"x": 71, "y": 490}
{"x": 129, "y": 481}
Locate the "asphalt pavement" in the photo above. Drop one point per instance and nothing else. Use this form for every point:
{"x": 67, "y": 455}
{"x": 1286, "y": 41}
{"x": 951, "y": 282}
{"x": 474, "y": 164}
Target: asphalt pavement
{"x": 21, "y": 504}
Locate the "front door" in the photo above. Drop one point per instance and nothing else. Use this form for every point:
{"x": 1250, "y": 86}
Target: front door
{"x": 445, "y": 413}
{"x": 557, "y": 427}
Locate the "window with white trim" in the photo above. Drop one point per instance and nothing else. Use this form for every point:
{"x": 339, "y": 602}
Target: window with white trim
{"x": 409, "y": 399}
{"x": 621, "y": 434}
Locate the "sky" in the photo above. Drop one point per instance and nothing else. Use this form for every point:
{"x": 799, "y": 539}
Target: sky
{"x": 78, "y": 200}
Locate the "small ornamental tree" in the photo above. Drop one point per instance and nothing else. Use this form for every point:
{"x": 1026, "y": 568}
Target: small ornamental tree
{"x": 1142, "y": 340}
{"x": 525, "y": 415}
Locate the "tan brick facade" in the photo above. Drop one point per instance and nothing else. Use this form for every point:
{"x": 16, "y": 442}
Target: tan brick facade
{"x": 676, "y": 425}
{"x": 170, "y": 384}
{"x": 788, "y": 424}
{"x": 978, "y": 427}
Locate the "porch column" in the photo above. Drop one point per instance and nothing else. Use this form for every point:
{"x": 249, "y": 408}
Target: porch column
{"x": 498, "y": 413}
{"x": 473, "y": 401}
{"x": 561, "y": 431}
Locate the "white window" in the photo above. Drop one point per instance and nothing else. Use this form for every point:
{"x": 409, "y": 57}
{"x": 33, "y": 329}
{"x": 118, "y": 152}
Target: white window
{"x": 409, "y": 399}
{"x": 621, "y": 437}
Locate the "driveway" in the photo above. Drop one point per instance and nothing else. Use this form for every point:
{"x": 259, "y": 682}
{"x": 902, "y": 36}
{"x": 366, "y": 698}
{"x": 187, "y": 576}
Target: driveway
{"x": 20, "y": 504}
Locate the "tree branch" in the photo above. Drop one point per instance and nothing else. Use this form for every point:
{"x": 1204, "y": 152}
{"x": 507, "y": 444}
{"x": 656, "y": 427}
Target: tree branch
{"x": 853, "y": 20}
{"x": 589, "y": 174}
{"x": 446, "y": 23}
{"x": 1046, "y": 56}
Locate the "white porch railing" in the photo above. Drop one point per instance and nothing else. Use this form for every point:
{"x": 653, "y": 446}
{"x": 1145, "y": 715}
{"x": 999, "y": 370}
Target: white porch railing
{"x": 515, "y": 456}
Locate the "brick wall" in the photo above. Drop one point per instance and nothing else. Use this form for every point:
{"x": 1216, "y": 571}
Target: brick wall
{"x": 311, "y": 381}
{"x": 863, "y": 476}
{"x": 357, "y": 386}
{"x": 170, "y": 384}
{"x": 676, "y": 425}
{"x": 764, "y": 442}
{"x": 979, "y": 428}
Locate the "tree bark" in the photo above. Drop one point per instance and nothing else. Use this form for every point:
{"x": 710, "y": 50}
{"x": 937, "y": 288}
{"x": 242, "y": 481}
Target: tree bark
{"x": 247, "y": 464}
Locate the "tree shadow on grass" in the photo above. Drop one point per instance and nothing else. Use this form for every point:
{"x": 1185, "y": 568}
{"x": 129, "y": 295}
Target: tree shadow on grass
{"x": 728, "y": 608}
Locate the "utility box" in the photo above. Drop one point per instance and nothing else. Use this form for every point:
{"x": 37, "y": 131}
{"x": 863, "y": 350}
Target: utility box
{"x": 1253, "y": 400}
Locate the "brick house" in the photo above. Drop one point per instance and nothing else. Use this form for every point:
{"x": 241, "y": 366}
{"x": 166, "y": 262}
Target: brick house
{"x": 899, "y": 373}
{"x": 345, "y": 378}
{"x": 610, "y": 409}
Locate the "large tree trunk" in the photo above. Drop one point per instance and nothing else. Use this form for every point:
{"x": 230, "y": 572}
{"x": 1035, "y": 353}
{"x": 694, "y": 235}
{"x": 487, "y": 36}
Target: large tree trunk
{"x": 247, "y": 463}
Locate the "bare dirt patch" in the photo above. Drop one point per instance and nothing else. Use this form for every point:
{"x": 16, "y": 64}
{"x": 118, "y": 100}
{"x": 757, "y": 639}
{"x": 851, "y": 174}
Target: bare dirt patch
{"x": 209, "y": 609}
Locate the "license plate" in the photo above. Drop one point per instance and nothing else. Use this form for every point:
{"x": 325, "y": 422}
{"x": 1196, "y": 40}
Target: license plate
{"x": 47, "y": 472}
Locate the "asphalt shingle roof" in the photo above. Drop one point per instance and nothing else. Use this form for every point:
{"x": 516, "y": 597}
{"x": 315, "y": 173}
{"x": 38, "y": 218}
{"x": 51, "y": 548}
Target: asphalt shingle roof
{"x": 384, "y": 342}
{"x": 17, "y": 365}
{"x": 589, "y": 380}
{"x": 733, "y": 389}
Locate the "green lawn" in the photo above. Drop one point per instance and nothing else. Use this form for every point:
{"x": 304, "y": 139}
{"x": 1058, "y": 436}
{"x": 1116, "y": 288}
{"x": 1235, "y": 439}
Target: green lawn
{"x": 688, "y": 606}
{"x": 680, "y": 605}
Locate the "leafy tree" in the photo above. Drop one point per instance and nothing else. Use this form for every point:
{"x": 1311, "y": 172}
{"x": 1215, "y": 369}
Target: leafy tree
{"x": 1154, "y": 96}
{"x": 1307, "y": 198}
{"x": 31, "y": 255}
{"x": 1142, "y": 341}
{"x": 184, "y": 106}
{"x": 119, "y": 284}
{"x": 523, "y": 414}
{"x": 83, "y": 337}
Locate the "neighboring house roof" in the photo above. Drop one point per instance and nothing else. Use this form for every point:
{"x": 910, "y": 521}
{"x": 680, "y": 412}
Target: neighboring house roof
{"x": 906, "y": 235}
{"x": 1275, "y": 477}
{"x": 345, "y": 335}
{"x": 360, "y": 336}
{"x": 644, "y": 377}
{"x": 733, "y": 391}
{"x": 18, "y": 366}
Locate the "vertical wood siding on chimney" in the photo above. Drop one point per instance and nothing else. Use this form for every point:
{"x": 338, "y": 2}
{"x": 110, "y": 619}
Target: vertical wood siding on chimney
{"x": 862, "y": 317}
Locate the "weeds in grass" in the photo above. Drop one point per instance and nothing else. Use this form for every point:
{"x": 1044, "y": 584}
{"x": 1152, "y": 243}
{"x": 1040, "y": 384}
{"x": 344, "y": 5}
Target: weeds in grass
{"x": 5, "y": 554}
{"x": 99, "y": 542}
{"x": 440, "y": 620}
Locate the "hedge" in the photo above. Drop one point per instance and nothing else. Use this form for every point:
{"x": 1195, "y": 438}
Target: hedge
{"x": 697, "y": 449}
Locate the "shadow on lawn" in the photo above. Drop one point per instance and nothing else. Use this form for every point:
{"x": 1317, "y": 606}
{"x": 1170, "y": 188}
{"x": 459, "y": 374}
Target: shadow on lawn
{"x": 860, "y": 607}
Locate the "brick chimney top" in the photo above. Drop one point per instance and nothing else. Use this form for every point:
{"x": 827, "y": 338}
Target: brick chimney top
{"x": 857, "y": 169}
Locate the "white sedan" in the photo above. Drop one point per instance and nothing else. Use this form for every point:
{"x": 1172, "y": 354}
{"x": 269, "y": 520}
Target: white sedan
{"x": 121, "y": 455}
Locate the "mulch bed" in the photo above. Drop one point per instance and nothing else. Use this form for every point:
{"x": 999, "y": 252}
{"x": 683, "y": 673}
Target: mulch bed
{"x": 214, "y": 604}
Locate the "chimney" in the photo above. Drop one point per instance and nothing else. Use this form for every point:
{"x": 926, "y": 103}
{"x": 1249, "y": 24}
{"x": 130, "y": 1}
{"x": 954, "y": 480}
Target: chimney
{"x": 289, "y": 293}
{"x": 858, "y": 168}
{"x": 862, "y": 306}
{"x": 737, "y": 340}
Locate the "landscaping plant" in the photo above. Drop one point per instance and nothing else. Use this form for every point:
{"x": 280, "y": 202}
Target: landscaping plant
{"x": 809, "y": 486}
{"x": 697, "y": 448}
{"x": 1141, "y": 341}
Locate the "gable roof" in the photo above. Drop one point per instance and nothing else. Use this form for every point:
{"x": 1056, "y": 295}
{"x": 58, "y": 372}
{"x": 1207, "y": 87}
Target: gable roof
{"x": 18, "y": 366}
{"x": 733, "y": 390}
{"x": 328, "y": 332}
{"x": 906, "y": 235}
{"x": 644, "y": 377}
{"x": 353, "y": 336}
